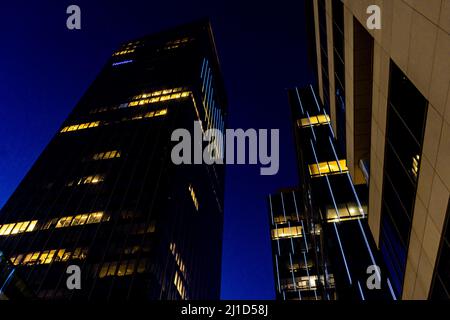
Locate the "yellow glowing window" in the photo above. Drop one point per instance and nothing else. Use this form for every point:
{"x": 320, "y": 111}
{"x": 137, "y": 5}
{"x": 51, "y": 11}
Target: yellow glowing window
{"x": 45, "y": 257}
{"x": 96, "y": 217}
{"x": 103, "y": 271}
{"x": 131, "y": 267}
{"x": 79, "y": 219}
{"x": 325, "y": 168}
{"x": 94, "y": 179}
{"x": 31, "y": 226}
{"x": 415, "y": 165}
{"x": 9, "y": 228}
{"x": 64, "y": 222}
{"x": 49, "y": 257}
{"x": 106, "y": 155}
{"x": 122, "y": 52}
{"x": 350, "y": 211}
{"x": 193, "y": 196}
{"x": 16, "y": 228}
{"x": 152, "y": 114}
{"x": 314, "y": 120}
{"x": 287, "y": 232}
{"x": 178, "y": 282}
{"x": 112, "y": 269}
{"x": 81, "y": 126}
{"x": 158, "y": 96}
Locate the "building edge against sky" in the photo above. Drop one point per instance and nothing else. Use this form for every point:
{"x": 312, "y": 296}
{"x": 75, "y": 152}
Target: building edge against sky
{"x": 388, "y": 92}
{"x": 105, "y": 195}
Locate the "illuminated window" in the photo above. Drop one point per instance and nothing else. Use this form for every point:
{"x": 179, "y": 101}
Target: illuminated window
{"x": 16, "y": 228}
{"x": 94, "y": 179}
{"x": 122, "y": 268}
{"x": 106, "y": 155}
{"x": 179, "y": 261}
{"x": 81, "y": 219}
{"x": 314, "y": 120}
{"x": 415, "y": 166}
{"x": 123, "y": 52}
{"x": 112, "y": 269}
{"x": 81, "y": 126}
{"x": 152, "y": 114}
{"x": 174, "y": 44}
{"x": 158, "y": 96}
{"x": 193, "y": 196}
{"x": 349, "y": 211}
{"x": 64, "y": 222}
{"x": 48, "y": 256}
{"x": 156, "y": 113}
{"x": 287, "y": 232}
{"x": 178, "y": 282}
{"x": 326, "y": 168}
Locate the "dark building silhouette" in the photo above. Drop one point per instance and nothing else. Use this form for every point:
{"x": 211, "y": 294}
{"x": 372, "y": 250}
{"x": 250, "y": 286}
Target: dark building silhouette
{"x": 105, "y": 195}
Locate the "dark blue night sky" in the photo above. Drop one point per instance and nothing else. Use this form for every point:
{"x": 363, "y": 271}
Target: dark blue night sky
{"x": 45, "y": 69}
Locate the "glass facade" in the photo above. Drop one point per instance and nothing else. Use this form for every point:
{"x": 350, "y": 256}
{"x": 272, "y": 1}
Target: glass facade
{"x": 440, "y": 289}
{"x": 105, "y": 195}
{"x": 324, "y": 54}
{"x": 407, "y": 110}
{"x": 295, "y": 239}
{"x": 330, "y": 204}
{"x": 339, "y": 71}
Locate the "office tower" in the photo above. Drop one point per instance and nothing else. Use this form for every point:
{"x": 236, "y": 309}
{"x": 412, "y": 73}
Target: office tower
{"x": 386, "y": 92}
{"x": 105, "y": 195}
{"x": 12, "y": 287}
{"x": 321, "y": 244}
{"x": 299, "y": 268}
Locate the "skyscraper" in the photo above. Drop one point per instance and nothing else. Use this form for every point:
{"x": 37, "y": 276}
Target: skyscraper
{"x": 321, "y": 243}
{"x": 386, "y": 92}
{"x": 105, "y": 196}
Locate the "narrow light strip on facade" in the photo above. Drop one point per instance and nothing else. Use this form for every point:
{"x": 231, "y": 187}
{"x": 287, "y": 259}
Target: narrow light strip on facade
{"x": 315, "y": 98}
{"x": 121, "y": 62}
{"x": 300, "y": 101}
{"x": 8, "y": 279}
{"x": 342, "y": 252}
{"x": 204, "y": 83}
{"x": 208, "y": 89}
{"x": 328, "y": 182}
{"x": 210, "y": 98}
{"x": 361, "y": 210}
{"x": 278, "y": 273}
{"x": 335, "y": 154}
{"x": 360, "y": 291}
{"x": 304, "y": 236}
{"x": 332, "y": 197}
{"x": 311, "y": 126}
{"x": 282, "y": 204}
{"x": 368, "y": 248}
{"x": 328, "y": 122}
{"x": 390, "y": 289}
{"x": 278, "y": 239}
{"x": 222, "y": 129}
{"x": 203, "y": 69}
{"x": 292, "y": 272}
{"x": 307, "y": 273}
{"x": 315, "y": 156}
{"x": 292, "y": 241}
{"x": 295, "y": 204}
